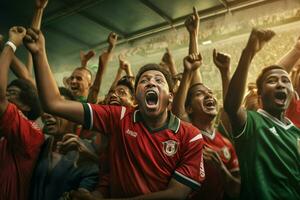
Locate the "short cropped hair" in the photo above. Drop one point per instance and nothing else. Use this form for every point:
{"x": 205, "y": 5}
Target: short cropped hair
{"x": 189, "y": 94}
{"x": 125, "y": 80}
{"x": 156, "y": 67}
{"x": 261, "y": 77}
{"x": 29, "y": 97}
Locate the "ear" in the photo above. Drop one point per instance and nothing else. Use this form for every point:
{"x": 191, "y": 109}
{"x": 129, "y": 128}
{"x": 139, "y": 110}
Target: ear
{"x": 189, "y": 110}
{"x": 171, "y": 97}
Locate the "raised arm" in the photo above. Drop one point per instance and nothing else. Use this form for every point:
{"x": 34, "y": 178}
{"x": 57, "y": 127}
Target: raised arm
{"x": 236, "y": 89}
{"x": 16, "y": 35}
{"x": 103, "y": 60}
{"x": 291, "y": 57}
{"x": 123, "y": 66}
{"x": 48, "y": 91}
{"x": 191, "y": 64}
{"x": 85, "y": 57}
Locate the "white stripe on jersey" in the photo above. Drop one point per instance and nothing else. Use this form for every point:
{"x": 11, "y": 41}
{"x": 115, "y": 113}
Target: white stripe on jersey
{"x": 91, "y": 115}
{"x": 197, "y": 137}
{"x": 187, "y": 178}
{"x": 122, "y": 112}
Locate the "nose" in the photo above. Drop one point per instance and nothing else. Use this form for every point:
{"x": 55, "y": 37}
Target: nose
{"x": 280, "y": 84}
{"x": 151, "y": 83}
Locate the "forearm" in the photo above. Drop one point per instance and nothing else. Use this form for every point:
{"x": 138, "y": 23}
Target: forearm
{"x": 29, "y": 64}
{"x": 289, "y": 59}
{"x": 117, "y": 78}
{"x": 5, "y": 60}
{"x": 193, "y": 43}
{"x": 37, "y": 18}
{"x": 95, "y": 88}
{"x": 225, "y": 77}
{"x": 178, "y": 107}
{"x": 236, "y": 88}
{"x": 20, "y": 70}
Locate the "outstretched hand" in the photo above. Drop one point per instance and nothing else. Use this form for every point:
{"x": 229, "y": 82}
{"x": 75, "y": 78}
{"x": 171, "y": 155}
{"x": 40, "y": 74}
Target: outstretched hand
{"x": 16, "y": 35}
{"x": 85, "y": 57}
{"x": 192, "y": 62}
{"x": 221, "y": 60}
{"x": 41, "y": 4}
{"x": 124, "y": 64}
{"x": 192, "y": 22}
{"x": 34, "y": 41}
{"x": 112, "y": 39}
{"x": 258, "y": 38}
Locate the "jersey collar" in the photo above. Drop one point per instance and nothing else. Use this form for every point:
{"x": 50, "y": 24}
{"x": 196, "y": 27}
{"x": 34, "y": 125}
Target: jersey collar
{"x": 275, "y": 120}
{"x": 173, "y": 123}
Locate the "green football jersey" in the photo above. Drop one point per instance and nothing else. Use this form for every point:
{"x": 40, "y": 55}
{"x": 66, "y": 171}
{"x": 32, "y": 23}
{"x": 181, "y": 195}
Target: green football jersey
{"x": 269, "y": 157}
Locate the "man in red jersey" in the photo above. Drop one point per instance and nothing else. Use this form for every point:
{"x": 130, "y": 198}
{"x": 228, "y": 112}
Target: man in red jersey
{"x": 155, "y": 154}
{"x": 20, "y": 138}
{"x": 197, "y": 104}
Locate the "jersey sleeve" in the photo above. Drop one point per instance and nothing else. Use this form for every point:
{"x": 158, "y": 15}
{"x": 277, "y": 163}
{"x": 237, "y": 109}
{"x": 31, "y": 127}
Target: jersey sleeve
{"x": 190, "y": 171}
{"x": 102, "y": 118}
{"x": 19, "y": 131}
{"x": 248, "y": 129}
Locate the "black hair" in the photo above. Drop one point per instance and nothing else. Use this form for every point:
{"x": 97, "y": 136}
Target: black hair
{"x": 189, "y": 94}
{"x": 66, "y": 93}
{"x": 125, "y": 80}
{"x": 29, "y": 97}
{"x": 261, "y": 77}
{"x": 156, "y": 67}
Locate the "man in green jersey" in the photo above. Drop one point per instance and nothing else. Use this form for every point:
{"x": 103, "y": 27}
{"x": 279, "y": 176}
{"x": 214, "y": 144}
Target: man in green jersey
{"x": 267, "y": 143}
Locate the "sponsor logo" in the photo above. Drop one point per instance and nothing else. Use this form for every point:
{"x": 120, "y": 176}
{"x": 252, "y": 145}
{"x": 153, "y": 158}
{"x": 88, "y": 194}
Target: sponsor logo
{"x": 273, "y": 130}
{"x": 225, "y": 151}
{"x": 132, "y": 133}
{"x": 170, "y": 147}
{"x": 202, "y": 171}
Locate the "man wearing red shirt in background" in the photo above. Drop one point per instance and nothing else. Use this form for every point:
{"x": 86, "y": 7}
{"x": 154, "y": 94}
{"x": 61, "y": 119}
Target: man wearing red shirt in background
{"x": 20, "y": 138}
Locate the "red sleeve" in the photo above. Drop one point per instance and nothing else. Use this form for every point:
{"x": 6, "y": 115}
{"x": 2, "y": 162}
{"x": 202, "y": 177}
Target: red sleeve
{"x": 233, "y": 164}
{"x": 102, "y": 118}
{"x": 19, "y": 131}
{"x": 190, "y": 171}
{"x": 293, "y": 111}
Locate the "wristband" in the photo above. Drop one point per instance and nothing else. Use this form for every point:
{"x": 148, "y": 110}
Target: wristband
{"x": 12, "y": 45}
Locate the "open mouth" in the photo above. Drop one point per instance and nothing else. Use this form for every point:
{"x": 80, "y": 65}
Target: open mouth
{"x": 114, "y": 101}
{"x": 210, "y": 104}
{"x": 280, "y": 98}
{"x": 151, "y": 99}
{"x": 74, "y": 88}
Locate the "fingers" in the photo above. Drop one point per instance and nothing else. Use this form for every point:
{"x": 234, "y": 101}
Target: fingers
{"x": 195, "y": 13}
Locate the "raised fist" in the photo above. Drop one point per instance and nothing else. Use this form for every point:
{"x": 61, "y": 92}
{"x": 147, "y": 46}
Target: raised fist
{"x": 41, "y": 4}
{"x": 258, "y": 39}
{"x": 34, "y": 41}
{"x": 86, "y": 57}
{"x": 192, "y": 22}
{"x": 16, "y": 35}
{"x": 168, "y": 58}
{"x": 124, "y": 64}
{"x": 192, "y": 62}
{"x": 112, "y": 39}
{"x": 221, "y": 60}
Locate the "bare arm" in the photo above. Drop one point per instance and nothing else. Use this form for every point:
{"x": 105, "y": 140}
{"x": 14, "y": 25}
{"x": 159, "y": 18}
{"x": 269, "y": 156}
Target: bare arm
{"x": 16, "y": 35}
{"x": 48, "y": 91}
{"x": 191, "y": 64}
{"x": 291, "y": 57}
{"x": 192, "y": 25}
{"x": 103, "y": 60}
{"x": 236, "y": 89}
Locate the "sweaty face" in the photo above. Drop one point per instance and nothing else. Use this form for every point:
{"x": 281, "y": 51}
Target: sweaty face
{"x": 203, "y": 103}
{"x": 152, "y": 93}
{"x": 80, "y": 82}
{"x": 120, "y": 96}
{"x": 277, "y": 91}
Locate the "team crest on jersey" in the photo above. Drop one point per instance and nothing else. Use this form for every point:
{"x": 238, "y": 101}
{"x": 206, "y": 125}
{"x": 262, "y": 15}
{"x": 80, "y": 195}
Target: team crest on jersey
{"x": 226, "y": 153}
{"x": 170, "y": 147}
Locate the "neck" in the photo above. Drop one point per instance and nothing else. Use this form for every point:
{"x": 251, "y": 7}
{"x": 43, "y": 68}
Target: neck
{"x": 202, "y": 124}
{"x": 278, "y": 115}
{"x": 157, "y": 121}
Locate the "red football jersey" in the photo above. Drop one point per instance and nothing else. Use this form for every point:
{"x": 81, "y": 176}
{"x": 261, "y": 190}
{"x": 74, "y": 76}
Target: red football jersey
{"x": 293, "y": 111}
{"x": 143, "y": 161}
{"x": 19, "y": 148}
{"x": 213, "y": 188}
